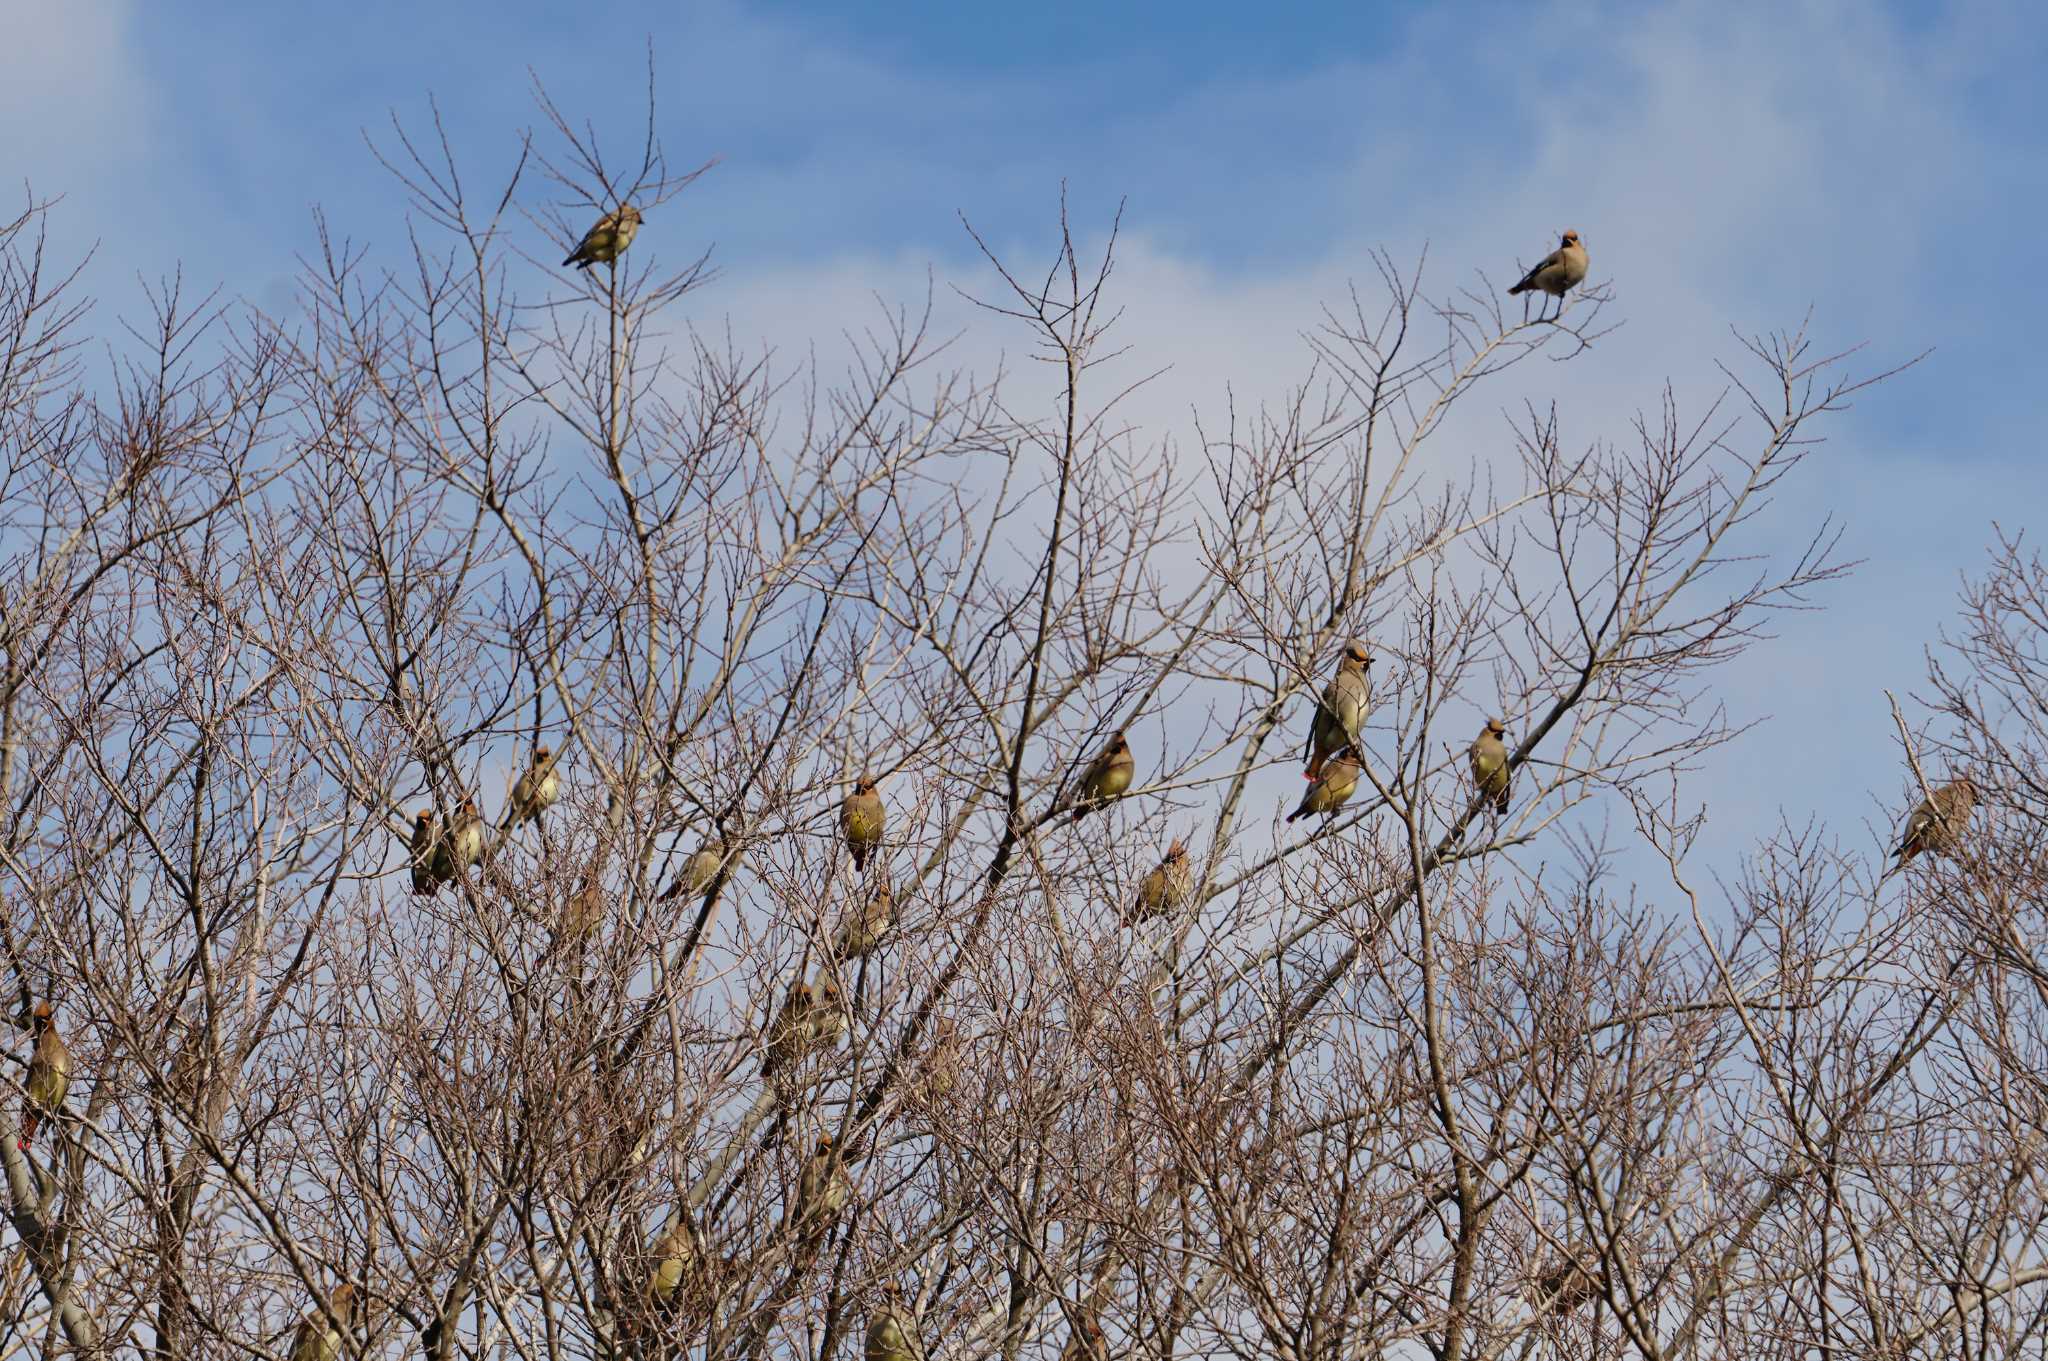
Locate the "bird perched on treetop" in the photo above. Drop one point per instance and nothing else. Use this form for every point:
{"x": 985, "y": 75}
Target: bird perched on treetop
{"x": 1166, "y": 887}
{"x": 1340, "y": 717}
{"x": 892, "y": 1332}
{"x": 423, "y": 843}
{"x": 1938, "y": 822}
{"x": 862, "y": 817}
{"x": 49, "y": 1074}
{"x": 1333, "y": 787}
{"x": 1490, "y": 765}
{"x": 607, "y": 239}
{"x": 1106, "y": 777}
{"x": 534, "y": 792}
{"x": 1562, "y": 269}
{"x": 317, "y": 1339}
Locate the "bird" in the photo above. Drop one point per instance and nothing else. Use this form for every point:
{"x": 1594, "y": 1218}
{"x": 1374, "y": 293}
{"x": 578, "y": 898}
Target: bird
{"x": 1085, "y": 1342}
{"x": 317, "y": 1339}
{"x": 534, "y": 792}
{"x": 1340, "y": 716}
{"x": 863, "y": 929}
{"x": 822, "y": 1190}
{"x": 1938, "y": 822}
{"x": 583, "y": 913}
{"x": 1335, "y": 785}
{"x": 1562, "y": 269}
{"x": 1165, "y": 888}
{"x": 940, "y": 1067}
{"x": 1564, "y": 1285}
{"x": 828, "y": 1015}
{"x": 698, "y": 872}
{"x": 1490, "y": 765}
{"x": 49, "y": 1074}
{"x": 1106, "y": 777}
{"x": 607, "y": 239}
{"x": 862, "y": 817}
{"x": 810, "y": 1015}
{"x": 892, "y": 1331}
{"x": 424, "y": 841}
{"x": 467, "y": 836}
{"x": 678, "y": 1255}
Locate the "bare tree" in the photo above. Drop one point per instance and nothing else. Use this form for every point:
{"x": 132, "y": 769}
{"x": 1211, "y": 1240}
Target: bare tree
{"x": 288, "y": 608}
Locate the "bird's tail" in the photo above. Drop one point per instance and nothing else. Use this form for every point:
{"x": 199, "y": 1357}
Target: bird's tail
{"x": 1522, "y": 287}
{"x": 29, "y": 1124}
{"x": 1501, "y": 806}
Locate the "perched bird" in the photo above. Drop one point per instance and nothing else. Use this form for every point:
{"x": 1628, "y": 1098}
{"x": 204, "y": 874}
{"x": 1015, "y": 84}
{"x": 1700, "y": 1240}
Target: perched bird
{"x": 1490, "y": 765}
{"x": 1335, "y": 785}
{"x": 940, "y": 1067}
{"x": 1106, "y": 777}
{"x": 1938, "y": 823}
{"x": 467, "y": 836}
{"x": 1340, "y": 717}
{"x": 863, "y": 929}
{"x": 892, "y": 1332}
{"x": 1562, "y": 269}
{"x": 828, "y": 1012}
{"x": 811, "y": 1014}
{"x": 678, "y": 1258}
{"x": 49, "y": 1075}
{"x": 607, "y": 240}
{"x": 1086, "y": 1342}
{"x": 862, "y": 817}
{"x": 698, "y": 872}
{"x": 1165, "y": 888}
{"x": 583, "y": 914}
{"x": 534, "y": 792}
{"x": 822, "y": 1191}
{"x": 317, "y": 1339}
{"x": 462, "y": 845}
{"x": 424, "y": 841}
{"x": 1564, "y": 1286}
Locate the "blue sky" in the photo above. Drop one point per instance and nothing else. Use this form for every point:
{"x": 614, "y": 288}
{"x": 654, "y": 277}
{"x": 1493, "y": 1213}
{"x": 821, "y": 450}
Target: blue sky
{"x": 1729, "y": 166}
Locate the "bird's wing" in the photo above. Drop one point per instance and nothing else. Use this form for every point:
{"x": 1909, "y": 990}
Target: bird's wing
{"x": 1555, "y": 257}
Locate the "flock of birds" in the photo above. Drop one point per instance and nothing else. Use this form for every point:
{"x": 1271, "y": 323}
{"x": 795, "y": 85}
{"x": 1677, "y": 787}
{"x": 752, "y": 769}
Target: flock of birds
{"x": 812, "y": 1013}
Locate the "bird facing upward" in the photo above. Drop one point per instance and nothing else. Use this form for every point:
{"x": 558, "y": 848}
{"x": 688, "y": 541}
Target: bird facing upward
{"x": 1562, "y": 269}
{"x": 49, "y": 1074}
{"x": 1340, "y": 716}
{"x": 607, "y": 239}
